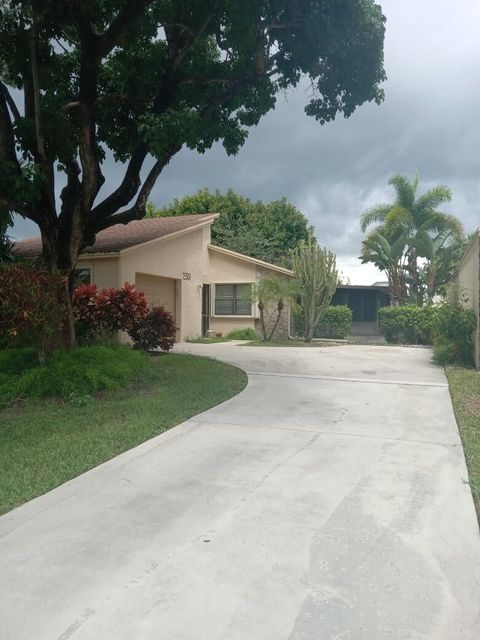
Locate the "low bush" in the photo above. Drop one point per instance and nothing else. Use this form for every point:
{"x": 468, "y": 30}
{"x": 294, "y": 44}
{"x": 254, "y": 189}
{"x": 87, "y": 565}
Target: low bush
{"x": 156, "y": 330}
{"x": 454, "y": 335}
{"x": 81, "y": 372}
{"x": 32, "y": 306}
{"x": 336, "y": 324}
{"x": 408, "y": 324}
{"x": 14, "y": 362}
{"x": 242, "y": 334}
{"x": 103, "y": 313}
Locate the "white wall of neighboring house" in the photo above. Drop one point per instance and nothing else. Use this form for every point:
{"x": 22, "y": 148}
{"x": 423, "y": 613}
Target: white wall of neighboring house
{"x": 468, "y": 278}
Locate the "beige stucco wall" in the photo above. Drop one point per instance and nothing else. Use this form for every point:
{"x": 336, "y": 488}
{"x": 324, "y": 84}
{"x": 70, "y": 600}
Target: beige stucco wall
{"x": 468, "y": 278}
{"x": 225, "y": 324}
{"x": 184, "y": 258}
{"x": 226, "y": 269}
{"x": 172, "y": 272}
{"x": 104, "y": 271}
{"x": 158, "y": 290}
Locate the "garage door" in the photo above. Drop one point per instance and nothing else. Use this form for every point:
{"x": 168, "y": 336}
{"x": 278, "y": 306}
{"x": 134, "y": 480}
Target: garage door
{"x": 157, "y": 290}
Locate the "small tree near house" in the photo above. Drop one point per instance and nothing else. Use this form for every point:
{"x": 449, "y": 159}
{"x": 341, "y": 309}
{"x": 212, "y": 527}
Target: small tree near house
{"x": 272, "y": 295}
{"x": 317, "y": 277}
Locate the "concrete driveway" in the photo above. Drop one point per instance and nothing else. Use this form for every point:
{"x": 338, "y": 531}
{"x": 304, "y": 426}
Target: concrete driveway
{"x": 326, "y": 502}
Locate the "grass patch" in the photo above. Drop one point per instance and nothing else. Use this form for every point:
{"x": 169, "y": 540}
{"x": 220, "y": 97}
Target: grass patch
{"x": 243, "y": 334}
{"x": 44, "y": 443}
{"x": 67, "y": 374}
{"x": 465, "y": 391}
{"x": 206, "y": 340}
{"x": 293, "y": 343}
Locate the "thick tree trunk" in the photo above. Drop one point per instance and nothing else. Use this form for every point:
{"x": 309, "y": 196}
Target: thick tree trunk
{"x": 60, "y": 253}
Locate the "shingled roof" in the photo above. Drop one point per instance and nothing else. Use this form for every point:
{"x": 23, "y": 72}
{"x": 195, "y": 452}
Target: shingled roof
{"x": 122, "y": 236}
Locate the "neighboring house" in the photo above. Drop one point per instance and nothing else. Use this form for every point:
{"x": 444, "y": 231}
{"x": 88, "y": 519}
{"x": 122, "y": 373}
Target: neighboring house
{"x": 467, "y": 277}
{"x": 173, "y": 262}
{"x": 364, "y": 301}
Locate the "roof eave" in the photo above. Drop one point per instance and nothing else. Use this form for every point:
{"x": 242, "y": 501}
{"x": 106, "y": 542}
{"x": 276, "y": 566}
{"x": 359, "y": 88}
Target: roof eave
{"x": 260, "y": 263}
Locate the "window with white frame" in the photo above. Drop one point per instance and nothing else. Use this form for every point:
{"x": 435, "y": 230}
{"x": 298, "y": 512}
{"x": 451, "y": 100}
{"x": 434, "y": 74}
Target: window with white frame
{"x": 233, "y": 300}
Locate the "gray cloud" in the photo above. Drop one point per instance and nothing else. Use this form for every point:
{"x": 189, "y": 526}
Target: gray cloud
{"x": 427, "y": 124}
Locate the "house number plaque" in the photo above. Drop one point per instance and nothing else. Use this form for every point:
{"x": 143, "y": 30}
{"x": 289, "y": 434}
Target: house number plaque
{"x": 187, "y": 275}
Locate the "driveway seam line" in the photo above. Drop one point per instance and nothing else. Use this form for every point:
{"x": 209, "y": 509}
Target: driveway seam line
{"x": 441, "y": 385}
{"x": 346, "y": 434}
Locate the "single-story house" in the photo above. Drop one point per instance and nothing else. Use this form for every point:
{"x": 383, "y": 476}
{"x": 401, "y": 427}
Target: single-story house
{"x": 364, "y": 301}
{"x": 467, "y": 277}
{"x": 173, "y": 261}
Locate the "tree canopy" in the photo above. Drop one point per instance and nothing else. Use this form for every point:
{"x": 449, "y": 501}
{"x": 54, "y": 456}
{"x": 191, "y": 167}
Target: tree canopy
{"x": 267, "y": 231}
{"x": 85, "y": 81}
{"x": 410, "y": 239}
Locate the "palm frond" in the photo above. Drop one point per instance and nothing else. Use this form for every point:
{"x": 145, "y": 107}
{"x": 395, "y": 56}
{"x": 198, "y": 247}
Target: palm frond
{"x": 398, "y": 218}
{"x": 428, "y": 202}
{"x": 378, "y": 213}
{"x": 404, "y": 189}
{"x": 444, "y": 221}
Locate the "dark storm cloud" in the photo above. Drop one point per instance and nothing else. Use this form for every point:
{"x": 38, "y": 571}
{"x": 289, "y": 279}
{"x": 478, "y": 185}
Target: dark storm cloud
{"x": 427, "y": 124}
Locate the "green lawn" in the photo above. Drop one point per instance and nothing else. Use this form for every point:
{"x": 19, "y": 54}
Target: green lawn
{"x": 465, "y": 392}
{"x": 44, "y": 443}
{"x": 293, "y": 342}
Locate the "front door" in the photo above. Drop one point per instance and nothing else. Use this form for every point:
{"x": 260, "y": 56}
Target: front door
{"x": 205, "y": 309}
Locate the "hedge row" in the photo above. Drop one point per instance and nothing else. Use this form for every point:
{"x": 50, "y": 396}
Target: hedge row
{"x": 336, "y": 324}
{"x": 449, "y": 327}
{"x": 408, "y": 324}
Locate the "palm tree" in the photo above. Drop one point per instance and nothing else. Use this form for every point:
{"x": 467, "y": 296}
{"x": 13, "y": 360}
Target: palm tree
{"x": 411, "y": 214}
{"x": 271, "y": 296}
{"x": 388, "y": 256}
{"x": 443, "y": 253}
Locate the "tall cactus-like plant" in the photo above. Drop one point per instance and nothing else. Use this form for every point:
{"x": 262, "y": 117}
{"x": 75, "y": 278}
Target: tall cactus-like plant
{"x": 316, "y": 272}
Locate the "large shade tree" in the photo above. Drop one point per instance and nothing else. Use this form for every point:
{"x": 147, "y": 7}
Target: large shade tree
{"x": 83, "y": 82}
{"x": 267, "y": 231}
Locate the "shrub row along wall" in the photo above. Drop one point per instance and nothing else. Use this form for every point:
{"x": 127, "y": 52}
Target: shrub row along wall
{"x": 408, "y": 324}
{"x": 336, "y": 324}
{"x": 449, "y": 327}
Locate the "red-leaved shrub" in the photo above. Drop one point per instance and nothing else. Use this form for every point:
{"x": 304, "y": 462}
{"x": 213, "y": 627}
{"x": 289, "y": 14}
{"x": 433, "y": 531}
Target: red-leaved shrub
{"x": 32, "y": 305}
{"x": 156, "y": 330}
{"x": 103, "y": 313}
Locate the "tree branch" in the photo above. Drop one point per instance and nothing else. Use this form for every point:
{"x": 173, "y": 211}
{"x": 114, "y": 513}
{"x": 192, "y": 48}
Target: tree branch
{"x": 137, "y": 211}
{"x": 18, "y": 207}
{"x": 131, "y": 12}
{"x": 71, "y": 190}
{"x": 128, "y": 187}
{"x": 10, "y": 101}
{"x": 7, "y": 138}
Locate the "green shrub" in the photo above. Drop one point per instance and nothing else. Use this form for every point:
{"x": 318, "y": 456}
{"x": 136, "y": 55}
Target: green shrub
{"x": 242, "y": 334}
{"x": 444, "y": 353}
{"x": 454, "y": 331}
{"x": 155, "y": 330}
{"x": 335, "y": 324}
{"x": 14, "y": 362}
{"x": 408, "y": 324}
{"x": 72, "y": 374}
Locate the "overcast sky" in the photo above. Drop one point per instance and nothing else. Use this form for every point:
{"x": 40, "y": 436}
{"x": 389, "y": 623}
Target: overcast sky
{"x": 429, "y": 123}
